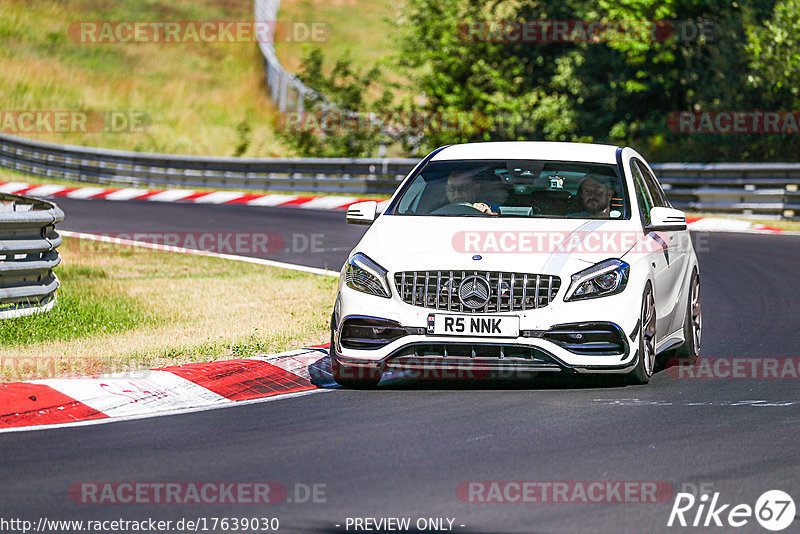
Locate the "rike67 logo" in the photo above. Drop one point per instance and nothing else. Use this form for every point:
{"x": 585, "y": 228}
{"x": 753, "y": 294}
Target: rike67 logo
{"x": 774, "y": 510}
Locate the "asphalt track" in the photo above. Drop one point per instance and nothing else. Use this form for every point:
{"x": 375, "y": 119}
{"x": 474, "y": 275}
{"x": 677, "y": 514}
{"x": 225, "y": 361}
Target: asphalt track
{"x": 313, "y": 238}
{"x": 402, "y": 450}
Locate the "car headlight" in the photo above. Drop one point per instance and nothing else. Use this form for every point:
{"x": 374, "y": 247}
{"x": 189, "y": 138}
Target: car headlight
{"x": 363, "y": 274}
{"x": 602, "y": 279}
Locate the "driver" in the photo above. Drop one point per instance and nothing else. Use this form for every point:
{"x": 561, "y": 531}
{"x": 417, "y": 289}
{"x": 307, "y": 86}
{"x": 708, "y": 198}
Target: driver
{"x": 460, "y": 187}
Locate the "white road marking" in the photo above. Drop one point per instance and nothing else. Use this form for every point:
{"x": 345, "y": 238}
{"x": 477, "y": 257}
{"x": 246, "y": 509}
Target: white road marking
{"x": 640, "y": 402}
{"x": 181, "y": 250}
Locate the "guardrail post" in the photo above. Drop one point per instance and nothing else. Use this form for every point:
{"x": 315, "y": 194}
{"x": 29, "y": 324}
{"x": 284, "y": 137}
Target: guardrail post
{"x": 791, "y": 202}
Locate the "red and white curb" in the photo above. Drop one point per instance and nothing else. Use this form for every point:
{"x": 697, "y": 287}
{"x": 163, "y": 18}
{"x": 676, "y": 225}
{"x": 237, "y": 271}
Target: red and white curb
{"x": 183, "y": 196}
{"x": 56, "y": 402}
{"x": 721, "y": 224}
{"x": 698, "y": 224}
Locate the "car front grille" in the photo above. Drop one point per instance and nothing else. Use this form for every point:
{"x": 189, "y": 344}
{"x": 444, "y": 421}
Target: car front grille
{"x": 508, "y": 291}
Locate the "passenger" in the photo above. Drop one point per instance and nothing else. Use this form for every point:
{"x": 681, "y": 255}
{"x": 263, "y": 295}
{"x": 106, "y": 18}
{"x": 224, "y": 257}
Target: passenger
{"x": 596, "y": 199}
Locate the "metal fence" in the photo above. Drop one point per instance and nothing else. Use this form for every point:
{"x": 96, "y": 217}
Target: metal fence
{"x": 763, "y": 189}
{"x": 287, "y": 91}
{"x": 760, "y": 189}
{"x": 28, "y": 241}
{"x": 330, "y": 175}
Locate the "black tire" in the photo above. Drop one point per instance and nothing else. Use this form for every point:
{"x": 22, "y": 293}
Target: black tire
{"x": 351, "y": 376}
{"x": 688, "y": 353}
{"x": 645, "y": 364}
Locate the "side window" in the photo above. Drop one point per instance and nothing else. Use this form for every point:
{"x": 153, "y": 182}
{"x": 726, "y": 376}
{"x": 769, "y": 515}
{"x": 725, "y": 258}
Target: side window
{"x": 656, "y": 193}
{"x": 642, "y": 194}
{"x": 410, "y": 201}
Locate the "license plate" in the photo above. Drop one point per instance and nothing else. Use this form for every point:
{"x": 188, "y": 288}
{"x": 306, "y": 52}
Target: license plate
{"x": 440, "y": 324}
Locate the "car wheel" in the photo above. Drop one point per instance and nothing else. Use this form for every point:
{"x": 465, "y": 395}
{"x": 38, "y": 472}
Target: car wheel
{"x": 647, "y": 340}
{"x": 351, "y": 376}
{"x": 692, "y": 325}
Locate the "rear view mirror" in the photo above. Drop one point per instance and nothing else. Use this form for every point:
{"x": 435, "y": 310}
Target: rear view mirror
{"x": 362, "y": 212}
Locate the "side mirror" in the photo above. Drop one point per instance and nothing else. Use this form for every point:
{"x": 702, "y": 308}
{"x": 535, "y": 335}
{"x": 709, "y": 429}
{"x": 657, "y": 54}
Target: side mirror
{"x": 666, "y": 220}
{"x": 362, "y": 212}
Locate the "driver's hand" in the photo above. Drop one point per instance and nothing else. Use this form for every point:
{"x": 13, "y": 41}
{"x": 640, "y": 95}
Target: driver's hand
{"x": 483, "y": 207}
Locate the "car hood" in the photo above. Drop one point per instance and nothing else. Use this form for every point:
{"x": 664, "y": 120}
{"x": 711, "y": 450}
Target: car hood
{"x": 546, "y": 246}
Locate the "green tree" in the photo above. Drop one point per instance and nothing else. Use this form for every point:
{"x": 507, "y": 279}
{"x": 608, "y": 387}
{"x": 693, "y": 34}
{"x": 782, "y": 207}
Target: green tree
{"x": 774, "y": 49}
{"x": 522, "y": 95}
{"x": 332, "y": 123}
{"x": 615, "y": 90}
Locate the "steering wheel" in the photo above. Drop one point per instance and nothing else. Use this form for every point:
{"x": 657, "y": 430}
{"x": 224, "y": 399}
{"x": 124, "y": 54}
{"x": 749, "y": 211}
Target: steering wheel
{"x": 456, "y": 208}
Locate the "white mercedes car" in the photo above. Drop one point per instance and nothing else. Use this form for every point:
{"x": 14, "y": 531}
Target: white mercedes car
{"x": 511, "y": 257}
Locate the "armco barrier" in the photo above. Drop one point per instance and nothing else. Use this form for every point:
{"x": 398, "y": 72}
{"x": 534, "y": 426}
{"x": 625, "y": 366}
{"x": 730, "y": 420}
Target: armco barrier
{"x": 28, "y": 241}
{"x": 286, "y": 90}
{"x": 766, "y": 189}
{"x": 81, "y": 164}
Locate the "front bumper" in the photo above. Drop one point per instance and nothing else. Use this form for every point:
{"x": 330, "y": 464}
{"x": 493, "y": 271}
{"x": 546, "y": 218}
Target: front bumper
{"x": 414, "y": 352}
{"x": 546, "y": 342}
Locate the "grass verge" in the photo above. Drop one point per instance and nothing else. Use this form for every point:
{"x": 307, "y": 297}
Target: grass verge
{"x": 124, "y": 308}
{"x": 88, "y": 304}
{"x": 363, "y": 28}
{"x": 201, "y": 98}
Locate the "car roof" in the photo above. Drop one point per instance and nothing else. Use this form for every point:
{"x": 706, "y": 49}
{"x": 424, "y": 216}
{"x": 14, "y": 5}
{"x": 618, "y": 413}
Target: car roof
{"x": 541, "y": 150}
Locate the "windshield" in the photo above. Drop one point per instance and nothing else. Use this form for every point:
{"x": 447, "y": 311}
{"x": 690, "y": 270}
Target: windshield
{"x": 515, "y": 188}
